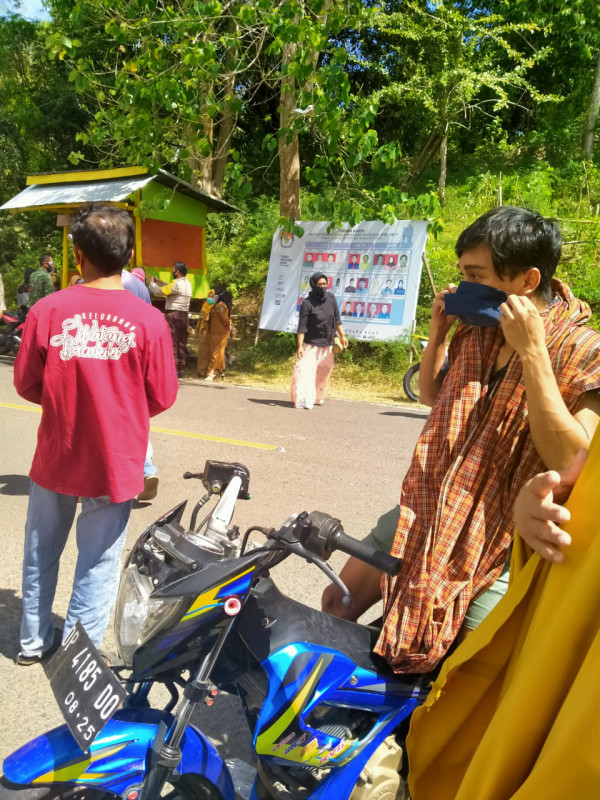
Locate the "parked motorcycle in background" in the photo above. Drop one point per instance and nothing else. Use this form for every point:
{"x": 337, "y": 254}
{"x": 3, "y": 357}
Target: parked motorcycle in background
{"x": 198, "y": 613}
{"x": 11, "y": 330}
{"x": 410, "y": 381}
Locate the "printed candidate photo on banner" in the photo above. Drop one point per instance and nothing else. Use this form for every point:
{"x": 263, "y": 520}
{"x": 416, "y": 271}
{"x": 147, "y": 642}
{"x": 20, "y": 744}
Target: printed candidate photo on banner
{"x": 352, "y": 309}
{"x": 362, "y": 285}
{"x": 358, "y": 310}
{"x": 346, "y": 308}
{"x": 403, "y": 259}
{"x": 329, "y": 258}
{"x": 379, "y": 311}
{"x": 399, "y": 290}
{"x": 337, "y": 285}
{"x": 360, "y": 261}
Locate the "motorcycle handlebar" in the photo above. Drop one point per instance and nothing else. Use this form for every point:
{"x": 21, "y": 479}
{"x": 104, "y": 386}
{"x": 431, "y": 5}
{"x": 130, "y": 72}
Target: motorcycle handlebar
{"x": 338, "y": 540}
{"x": 322, "y": 533}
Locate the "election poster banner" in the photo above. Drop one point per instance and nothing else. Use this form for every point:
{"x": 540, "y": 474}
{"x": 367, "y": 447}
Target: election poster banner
{"x": 373, "y": 269}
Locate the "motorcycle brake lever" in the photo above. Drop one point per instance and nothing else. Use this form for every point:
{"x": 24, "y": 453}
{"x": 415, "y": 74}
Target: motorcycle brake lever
{"x": 301, "y": 551}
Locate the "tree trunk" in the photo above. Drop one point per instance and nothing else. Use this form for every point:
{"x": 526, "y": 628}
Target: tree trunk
{"x": 221, "y": 154}
{"x": 592, "y": 114}
{"x": 289, "y": 153}
{"x": 226, "y": 125}
{"x": 443, "y": 169}
{"x": 201, "y": 166}
{"x": 422, "y": 162}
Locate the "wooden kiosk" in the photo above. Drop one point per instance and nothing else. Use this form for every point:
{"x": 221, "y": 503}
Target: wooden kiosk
{"x": 170, "y": 215}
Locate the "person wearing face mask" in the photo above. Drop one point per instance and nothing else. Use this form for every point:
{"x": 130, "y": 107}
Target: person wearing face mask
{"x": 40, "y": 281}
{"x": 515, "y": 397}
{"x": 178, "y": 293}
{"x": 319, "y": 320}
{"x": 202, "y": 333}
{"x": 219, "y": 330}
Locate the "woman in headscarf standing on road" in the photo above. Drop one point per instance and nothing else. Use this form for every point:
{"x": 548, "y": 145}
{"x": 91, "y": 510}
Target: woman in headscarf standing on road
{"x": 202, "y": 332}
{"x": 317, "y": 326}
{"x": 219, "y": 326}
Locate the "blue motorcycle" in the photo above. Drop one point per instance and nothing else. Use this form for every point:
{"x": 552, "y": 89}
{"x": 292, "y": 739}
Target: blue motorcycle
{"x": 198, "y": 612}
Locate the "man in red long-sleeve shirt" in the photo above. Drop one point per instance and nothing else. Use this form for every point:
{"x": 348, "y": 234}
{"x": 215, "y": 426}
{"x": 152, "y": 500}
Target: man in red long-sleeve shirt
{"x": 99, "y": 362}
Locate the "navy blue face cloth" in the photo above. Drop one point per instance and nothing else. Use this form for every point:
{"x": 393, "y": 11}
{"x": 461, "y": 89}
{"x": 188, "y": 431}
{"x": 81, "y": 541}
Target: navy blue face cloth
{"x": 476, "y": 304}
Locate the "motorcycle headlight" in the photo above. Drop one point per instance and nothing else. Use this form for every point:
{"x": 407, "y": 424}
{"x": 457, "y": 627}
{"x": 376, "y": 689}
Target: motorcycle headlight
{"x": 137, "y": 615}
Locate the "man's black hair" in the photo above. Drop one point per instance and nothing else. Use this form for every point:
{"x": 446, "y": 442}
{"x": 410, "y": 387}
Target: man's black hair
{"x": 105, "y": 235}
{"x": 45, "y": 257}
{"x": 518, "y": 239}
{"x": 181, "y": 267}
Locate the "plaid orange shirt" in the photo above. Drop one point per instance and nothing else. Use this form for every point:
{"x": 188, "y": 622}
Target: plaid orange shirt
{"x": 455, "y": 527}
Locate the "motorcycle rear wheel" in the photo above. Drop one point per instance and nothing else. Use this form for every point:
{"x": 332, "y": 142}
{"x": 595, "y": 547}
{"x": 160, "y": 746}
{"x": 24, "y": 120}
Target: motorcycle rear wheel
{"x": 187, "y": 787}
{"x": 410, "y": 382}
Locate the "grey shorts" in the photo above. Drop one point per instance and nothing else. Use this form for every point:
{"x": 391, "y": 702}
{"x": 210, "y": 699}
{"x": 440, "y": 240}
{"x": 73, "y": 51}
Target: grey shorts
{"x": 382, "y": 538}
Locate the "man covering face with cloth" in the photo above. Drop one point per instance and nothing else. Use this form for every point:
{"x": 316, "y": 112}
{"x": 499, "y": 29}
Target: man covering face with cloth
{"x": 518, "y": 394}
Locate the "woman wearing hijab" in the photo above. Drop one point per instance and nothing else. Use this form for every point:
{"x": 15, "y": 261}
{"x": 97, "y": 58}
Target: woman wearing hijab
{"x": 317, "y": 326}
{"x": 219, "y": 325}
{"x": 204, "y": 354}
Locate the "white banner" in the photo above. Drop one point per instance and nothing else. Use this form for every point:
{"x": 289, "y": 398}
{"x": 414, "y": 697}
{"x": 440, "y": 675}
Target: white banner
{"x": 373, "y": 270}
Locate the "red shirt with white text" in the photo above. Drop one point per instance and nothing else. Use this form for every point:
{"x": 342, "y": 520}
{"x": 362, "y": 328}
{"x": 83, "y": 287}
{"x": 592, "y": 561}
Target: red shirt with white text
{"x": 100, "y": 363}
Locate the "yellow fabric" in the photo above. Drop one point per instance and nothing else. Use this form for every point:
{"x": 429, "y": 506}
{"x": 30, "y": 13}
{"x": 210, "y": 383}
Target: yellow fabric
{"x": 167, "y": 288}
{"x": 515, "y": 711}
{"x": 220, "y": 324}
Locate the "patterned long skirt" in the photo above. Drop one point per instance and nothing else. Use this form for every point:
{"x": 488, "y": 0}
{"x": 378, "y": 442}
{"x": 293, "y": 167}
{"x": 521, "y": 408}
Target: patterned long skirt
{"x": 310, "y": 376}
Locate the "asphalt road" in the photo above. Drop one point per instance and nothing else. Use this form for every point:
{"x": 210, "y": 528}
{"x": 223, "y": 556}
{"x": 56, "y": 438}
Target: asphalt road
{"x": 344, "y": 458}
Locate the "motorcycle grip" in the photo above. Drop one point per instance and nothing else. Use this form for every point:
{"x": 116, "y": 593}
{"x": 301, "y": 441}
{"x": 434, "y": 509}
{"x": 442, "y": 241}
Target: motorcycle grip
{"x": 364, "y": 552}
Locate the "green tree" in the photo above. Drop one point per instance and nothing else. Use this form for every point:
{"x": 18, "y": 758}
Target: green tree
{"x": 461, "y": 63}
{"x": 173, "y": 85}
{"x": 39, "y": 120}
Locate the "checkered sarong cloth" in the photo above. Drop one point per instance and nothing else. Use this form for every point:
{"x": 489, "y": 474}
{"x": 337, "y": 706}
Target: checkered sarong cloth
{"x": 455, "y": 527}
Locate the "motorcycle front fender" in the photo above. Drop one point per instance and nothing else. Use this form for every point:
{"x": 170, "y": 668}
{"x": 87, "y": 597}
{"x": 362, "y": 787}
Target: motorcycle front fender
{"x": 117, "y": 759}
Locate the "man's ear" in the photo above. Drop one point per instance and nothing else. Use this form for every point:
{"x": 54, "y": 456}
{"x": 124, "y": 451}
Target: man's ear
{"x": 131, "y": 257}
{"x": 531, "y": 280}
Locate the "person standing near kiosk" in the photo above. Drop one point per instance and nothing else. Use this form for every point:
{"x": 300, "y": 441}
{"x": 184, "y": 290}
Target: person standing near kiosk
{"x": 179, "y": 294}
{"x": 88, "y": 356}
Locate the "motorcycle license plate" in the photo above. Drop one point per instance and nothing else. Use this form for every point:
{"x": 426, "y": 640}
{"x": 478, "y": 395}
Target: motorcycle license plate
{"x": 87, "y": 692}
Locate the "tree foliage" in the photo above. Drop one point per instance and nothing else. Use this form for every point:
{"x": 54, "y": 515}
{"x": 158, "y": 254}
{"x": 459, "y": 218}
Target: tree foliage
{"x": 170, "y": 85}
{"x": 39, "y": 120}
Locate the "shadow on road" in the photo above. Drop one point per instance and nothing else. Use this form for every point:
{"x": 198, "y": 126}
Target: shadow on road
{"x": 14, "y": 485}
{"x": 262, "y": 402}
{"x": 411, "y": 414}
{"x": 198, "y": 383}
{"x": 11, "y": 609}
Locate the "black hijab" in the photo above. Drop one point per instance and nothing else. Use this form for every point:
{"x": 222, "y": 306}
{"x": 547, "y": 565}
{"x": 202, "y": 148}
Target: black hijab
{"x": 314, "y": 279}
{"x": 223, "y": 296}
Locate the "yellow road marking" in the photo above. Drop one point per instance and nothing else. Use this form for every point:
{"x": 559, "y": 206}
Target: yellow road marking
{"x": 208, "y": 438}
{"x": 35, "y": 409}
{"x": 170, "y": 432}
